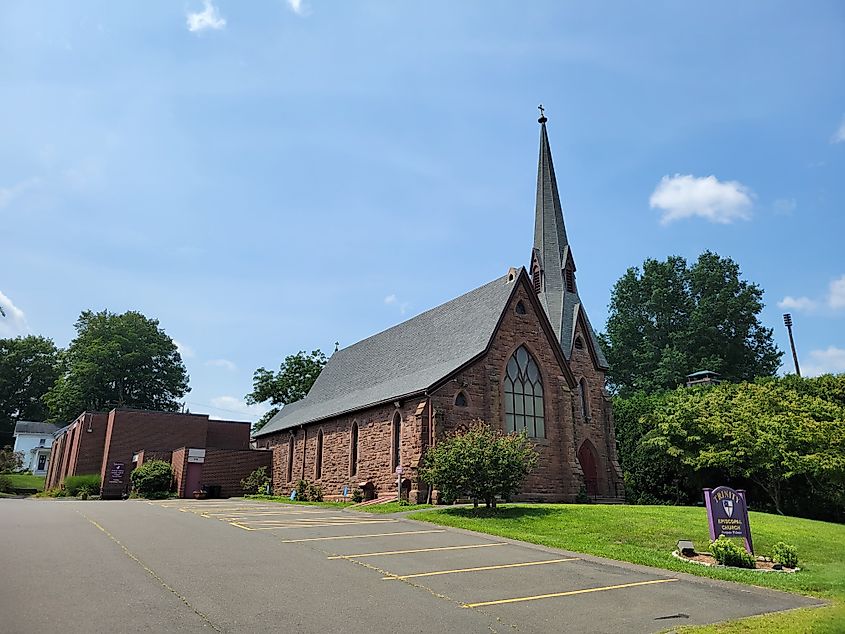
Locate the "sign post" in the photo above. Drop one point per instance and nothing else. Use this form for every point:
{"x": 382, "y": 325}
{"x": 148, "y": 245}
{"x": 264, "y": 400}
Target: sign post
{"x": 727, "y": 514}
{"x": 399, "y": 472}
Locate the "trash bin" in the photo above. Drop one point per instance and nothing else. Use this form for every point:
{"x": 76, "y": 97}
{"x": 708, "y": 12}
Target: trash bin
{"x": 214, "y": 490}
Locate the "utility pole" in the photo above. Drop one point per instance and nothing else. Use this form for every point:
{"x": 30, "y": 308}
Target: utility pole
{"x": 787, "y": 321}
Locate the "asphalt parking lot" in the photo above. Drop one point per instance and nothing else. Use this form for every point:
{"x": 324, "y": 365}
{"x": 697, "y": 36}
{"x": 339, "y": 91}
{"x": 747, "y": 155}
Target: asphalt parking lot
{"x": 245, "y": 566}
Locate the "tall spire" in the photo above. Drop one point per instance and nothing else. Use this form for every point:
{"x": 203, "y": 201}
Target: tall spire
{"x": 552, "y": 264}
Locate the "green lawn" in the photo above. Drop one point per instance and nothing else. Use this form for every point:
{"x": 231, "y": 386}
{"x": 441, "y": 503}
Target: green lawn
{"x": 391, "y": 507}
{"x": 26, "y": 481}
{"x": 647, "y": 535}
{"x": 283, "y": 499}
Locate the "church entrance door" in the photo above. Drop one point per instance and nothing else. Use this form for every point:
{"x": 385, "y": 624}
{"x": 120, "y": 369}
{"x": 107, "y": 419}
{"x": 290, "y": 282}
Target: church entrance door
{"x": 587, "y": 458}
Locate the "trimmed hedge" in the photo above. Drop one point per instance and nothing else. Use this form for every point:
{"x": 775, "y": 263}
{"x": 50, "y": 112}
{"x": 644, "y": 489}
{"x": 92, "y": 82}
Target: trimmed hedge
{"x": 89, "y": 484}
{"x": 152, "y": 479}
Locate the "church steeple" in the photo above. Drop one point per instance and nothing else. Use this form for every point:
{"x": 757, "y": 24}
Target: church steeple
{"x": 552, "y": 265}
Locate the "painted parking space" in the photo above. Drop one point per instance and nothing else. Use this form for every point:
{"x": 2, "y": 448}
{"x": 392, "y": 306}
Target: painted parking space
{"x": 502, "y": 579}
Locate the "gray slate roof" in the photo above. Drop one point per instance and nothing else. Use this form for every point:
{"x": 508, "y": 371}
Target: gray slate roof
{"x": 403, "y": 360}
{"x": 551, "y": 246}
{"x": 29, "y": 427}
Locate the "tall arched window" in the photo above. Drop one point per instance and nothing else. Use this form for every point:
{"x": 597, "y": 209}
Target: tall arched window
{"x": 397, "y": 439}
{"x": 524, "y": 395}
{"x": 318, "y": 466}
{"x": 353, "y": 450}
{"x": 584, "y": 393}
{"x": 290, "y": 457}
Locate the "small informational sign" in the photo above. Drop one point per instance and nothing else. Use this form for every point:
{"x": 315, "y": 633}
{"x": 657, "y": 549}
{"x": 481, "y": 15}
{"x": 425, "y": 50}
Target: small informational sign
{"x": 727, "y": 514}
{"x": 116, "y": 473}
{"x": 196, "y": 455}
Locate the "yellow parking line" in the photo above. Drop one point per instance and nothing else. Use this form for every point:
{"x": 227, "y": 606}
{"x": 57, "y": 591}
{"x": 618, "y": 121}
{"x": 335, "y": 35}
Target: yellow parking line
{"x": 281, "y": 526}
{"x": 316, "y": 539}
{"x": 498, "y": 567}
{"x": 567, "y": 594}
{"x": 246, "y": 528}
{"x": 416, "y": 550}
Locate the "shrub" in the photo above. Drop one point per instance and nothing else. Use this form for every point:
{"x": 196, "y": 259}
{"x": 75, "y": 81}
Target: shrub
{"x": 729, "y": 553}
{"x": 480, "y": 463}
{"x": 5, "y": 483}
{"x": 89, "y": 483}
{"x": 256, "y": 482}
{"x": 785, "y": 554}
{"x": 582, "y": 497}
{"x": 152, "y": 479}
{"x": 302, "y": 490}
{"x": 315, "y": 492}
{"x": 357, "y": 495}
{"x": 10, "y": 461}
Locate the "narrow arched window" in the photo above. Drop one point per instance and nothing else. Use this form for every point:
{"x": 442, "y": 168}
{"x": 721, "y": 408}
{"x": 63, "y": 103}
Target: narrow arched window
{"x": 290, "y": 457}
{"x": 584, "y": 392}
{"x": 520, "y": 308}
{"x": 461, "y": 400}
{"x": 353, "y": 450}
{"x": 524, "y": 395}
{"x": 570, "y": 280}
{"x": 397, "y": 439}
{"x": 318, "y": 463}
{"x": 535, "y": 279}
{"x": 579, "y": 343}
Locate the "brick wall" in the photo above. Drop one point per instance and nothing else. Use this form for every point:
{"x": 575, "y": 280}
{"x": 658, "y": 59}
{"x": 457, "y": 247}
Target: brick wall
{"x": 228, "y": 434}
{"x": 179, "y": 460}
{"x": 227, "y": 467}
{"x": 90, "y": 443}
{"x": 130, "y": 431}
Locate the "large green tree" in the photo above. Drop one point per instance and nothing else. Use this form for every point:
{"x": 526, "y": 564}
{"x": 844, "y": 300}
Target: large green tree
{"x": 291, "y": 383}
{"x": 670, "y": 319}
{"x": 118, "y": 361}
{"x": 773, "y": 433}
{"x": 28, "y": 368}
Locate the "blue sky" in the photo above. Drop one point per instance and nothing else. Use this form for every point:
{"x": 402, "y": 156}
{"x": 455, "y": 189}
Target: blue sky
{"x": 268, "y": 177}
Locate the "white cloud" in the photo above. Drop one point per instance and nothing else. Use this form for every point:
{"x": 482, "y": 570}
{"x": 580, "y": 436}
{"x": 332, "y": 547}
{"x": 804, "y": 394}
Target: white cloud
{"x": 208, "y": 18}
{"x": 234, "y": 405}
{"x": 14, "y": 323}
{"x": 686, "y": 196}
{"x": 839, "y": 135}
{"x": 828, "y": 361}
{"x": 222, "y": 363}
{"x": 298, "y": 7}
{"x": 836, "y": 293}
{"x": 392, "y": 300}
{"x": 785, "y": 206}
{"x": 8, "y": 194}
{"x": 798, "y": 303}
{"x": 185, "y": 351}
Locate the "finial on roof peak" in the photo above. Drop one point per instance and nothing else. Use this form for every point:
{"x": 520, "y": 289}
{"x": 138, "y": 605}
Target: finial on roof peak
{"x": 542, "y": 110}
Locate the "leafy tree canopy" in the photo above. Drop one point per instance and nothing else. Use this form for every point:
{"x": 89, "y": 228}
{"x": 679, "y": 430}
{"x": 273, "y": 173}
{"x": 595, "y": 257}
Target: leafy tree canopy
{"x": 481, "y": 464}
{"x": 291, "y": 383}
{"x": 767, "y": 432}
{"x": 671, "y": 319}
{"x": 118, "y": 361}
{"x": 28, "y": 368}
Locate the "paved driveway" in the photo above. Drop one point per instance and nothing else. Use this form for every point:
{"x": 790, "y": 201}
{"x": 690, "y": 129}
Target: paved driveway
{"x": 244, "y": 566}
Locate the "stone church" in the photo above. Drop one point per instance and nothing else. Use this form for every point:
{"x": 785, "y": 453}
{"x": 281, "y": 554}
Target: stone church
{"x": 518, "y": 352}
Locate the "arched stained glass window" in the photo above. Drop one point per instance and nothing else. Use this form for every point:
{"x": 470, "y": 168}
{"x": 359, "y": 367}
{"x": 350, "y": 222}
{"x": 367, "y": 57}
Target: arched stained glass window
{"x": 524, "y": 395}
{"x": 353, "y": 450}
{"x": 318, "y": 462}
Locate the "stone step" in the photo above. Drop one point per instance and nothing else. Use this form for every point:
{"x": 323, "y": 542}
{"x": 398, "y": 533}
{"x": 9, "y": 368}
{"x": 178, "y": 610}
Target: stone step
{"x": 381, "y": 500}
{"x": 607, "y": 500}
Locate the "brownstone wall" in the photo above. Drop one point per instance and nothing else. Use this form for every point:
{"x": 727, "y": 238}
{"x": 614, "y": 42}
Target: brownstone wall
{"x": 227, "y": 467}
{"x": 557, "y": 476}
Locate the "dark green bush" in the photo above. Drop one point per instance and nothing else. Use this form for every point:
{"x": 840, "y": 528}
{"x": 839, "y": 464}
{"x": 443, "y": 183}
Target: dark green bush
{"x": 89, "y": 483}
{"x": 152, "y": 479}
{"x": 5, "y": 483}
{"x": 256, "y": 482}
{"x": 729, "y": 553}
{"x": 315, "y": 492}
{"x": 357, "y": 495}
{"x": 785, "y": 554}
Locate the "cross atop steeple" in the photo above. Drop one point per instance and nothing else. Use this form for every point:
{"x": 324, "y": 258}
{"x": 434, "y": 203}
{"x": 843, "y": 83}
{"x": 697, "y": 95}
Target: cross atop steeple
{"x": 542, "y": 110}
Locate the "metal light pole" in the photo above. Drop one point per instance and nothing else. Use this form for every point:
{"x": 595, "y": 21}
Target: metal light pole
{"x": 787, "y": 321}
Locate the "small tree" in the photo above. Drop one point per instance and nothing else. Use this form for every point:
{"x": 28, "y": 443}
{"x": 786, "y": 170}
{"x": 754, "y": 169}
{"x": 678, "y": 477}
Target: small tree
{"x": 10, "y": 460}
{"x": 152, "y": 479}
{"x": 256, "y": 482}
{"x": 481, "y": 464}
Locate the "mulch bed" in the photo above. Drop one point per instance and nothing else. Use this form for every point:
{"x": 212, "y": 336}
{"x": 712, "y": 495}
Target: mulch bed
{"x": 706, "y": 559}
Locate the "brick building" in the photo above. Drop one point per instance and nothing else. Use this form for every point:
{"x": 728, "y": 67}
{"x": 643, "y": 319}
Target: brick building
{"x": 112, "y": 444}
{"x": 518, "y": 353}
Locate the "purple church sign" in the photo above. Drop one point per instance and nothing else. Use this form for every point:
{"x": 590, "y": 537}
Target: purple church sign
{"x": 727, "y": 514}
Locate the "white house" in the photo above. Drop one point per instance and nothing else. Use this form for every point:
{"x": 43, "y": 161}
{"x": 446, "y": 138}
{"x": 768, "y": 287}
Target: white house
{"x": 34, "y": 440}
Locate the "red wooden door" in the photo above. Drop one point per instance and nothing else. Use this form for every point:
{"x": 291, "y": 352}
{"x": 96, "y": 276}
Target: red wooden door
{"x": 587, "y": 458}
{"x": 193, "y": 478}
